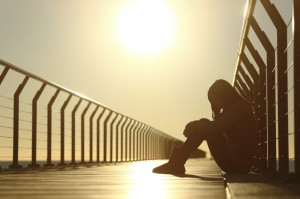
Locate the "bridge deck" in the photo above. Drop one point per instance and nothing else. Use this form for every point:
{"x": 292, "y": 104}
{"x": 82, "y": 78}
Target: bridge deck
{"x": 123, "y": 180}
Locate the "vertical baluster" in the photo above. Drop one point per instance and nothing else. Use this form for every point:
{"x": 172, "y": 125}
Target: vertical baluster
{"x": 73, "y": 161}
{"x": 136, "y": 147}
{"x": 117, "y": 138}
{"x": 126, "y": 140}
{"x": 105, "y": 137}
{"x": 139, "y": 142}
{"x": 62, "y": 131}
{"x": 124, "y": 127}
{"x": 130, "y": 139}
{"x": 83, "y": 132}
{"x": 133, "y": 140}
{"x": 144, "y": 135}
{"x": 296, "y": 22}
{"x": 147, "y": 151}
{"x": 3, "y": 74}
{"x": 15, "y": 163}
{"x": 282, "y": 84}
{"x": 91, "y": 133}
{"x": 49, "y": 130}
{"x": 262, "y": 111}
{"x": 112, "y": 136}
{"x": 270, "y": 93}
{"x": 98, "y": 134}
{"x": 34, "y": 127}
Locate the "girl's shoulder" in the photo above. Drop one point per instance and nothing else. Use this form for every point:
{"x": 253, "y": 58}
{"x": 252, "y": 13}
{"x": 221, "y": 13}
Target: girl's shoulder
{"x": 241, "y": 106}
{"x": 244, "y": 106}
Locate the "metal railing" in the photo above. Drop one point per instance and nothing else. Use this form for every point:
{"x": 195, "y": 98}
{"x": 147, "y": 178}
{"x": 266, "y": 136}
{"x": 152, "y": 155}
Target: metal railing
{"x": 44, "y": 123}
{"x": 268, "y": 75}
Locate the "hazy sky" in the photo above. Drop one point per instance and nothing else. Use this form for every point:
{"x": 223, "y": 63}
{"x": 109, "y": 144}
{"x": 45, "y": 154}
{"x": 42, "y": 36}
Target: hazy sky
{"x": 75, "y": 43}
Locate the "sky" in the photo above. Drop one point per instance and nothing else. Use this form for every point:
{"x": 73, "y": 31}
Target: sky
{"x": 77, "y": 44}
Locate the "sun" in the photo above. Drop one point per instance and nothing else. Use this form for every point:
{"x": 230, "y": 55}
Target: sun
{"x": 146, "y": 27}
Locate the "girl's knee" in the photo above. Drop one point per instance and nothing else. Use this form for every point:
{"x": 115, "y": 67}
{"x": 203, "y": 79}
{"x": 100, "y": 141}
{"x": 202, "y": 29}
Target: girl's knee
{"x": 204, "y": 119}
{"x": 196, "y": 136}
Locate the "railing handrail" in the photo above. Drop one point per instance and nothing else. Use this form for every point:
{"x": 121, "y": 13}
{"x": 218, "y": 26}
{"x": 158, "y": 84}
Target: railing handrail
{"x": 250, "y": 5}
{"x": 267, "y": 74}
{"x": 148, "y": 136}
{"x": 74, "y": 93}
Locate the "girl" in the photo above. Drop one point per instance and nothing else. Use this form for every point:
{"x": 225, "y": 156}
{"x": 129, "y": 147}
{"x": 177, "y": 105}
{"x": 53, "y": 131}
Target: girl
{"x": 231, "y": 135}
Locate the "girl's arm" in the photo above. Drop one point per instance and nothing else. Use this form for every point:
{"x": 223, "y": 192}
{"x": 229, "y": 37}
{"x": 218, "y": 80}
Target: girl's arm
{"x": 230, "y": 116}
{"x": 215, "y": 112}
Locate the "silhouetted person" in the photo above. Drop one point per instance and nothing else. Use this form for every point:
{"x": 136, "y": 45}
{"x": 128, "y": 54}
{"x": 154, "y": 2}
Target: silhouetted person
{"x": 231, "y": 135}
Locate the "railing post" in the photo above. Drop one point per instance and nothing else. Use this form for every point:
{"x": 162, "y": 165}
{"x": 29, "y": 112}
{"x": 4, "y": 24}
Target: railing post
{"x": 244, "y": 87}
{"x": 133, "y": 140}
{"x": 296, "y": 22}
{"x": 248, "y": 81}
{"x": 155, "y": 145}
{"x": 15, "y": 163}
{"x": 144, "y": 139}
{"x": 262, "y": 108}
{"x": 122, "y": 136}
{"x": 282, "y": 84}
{"x": 131, "y": 131}
{"x": 112, "y": 136}
{"x": 239, "y": 89}
{"x": 105, "y": 136}
{"x": 135, "y": 154}
{"x": 270, "y": 94}
{"x": 83, "y": 132}
{"x": 73, "y": 162}
{"x": 49, "y": 131}
{"x": 158, "y": 148}
{"x": 34, "y": 127}
{"x": 149, "y": 144}
{"x": 163, "y": 149}
{"x": 62, "y": 131}
{"x": 152, "y": 145}
{"x": 126, "y": 140}
{"x": 3, "y": 74}
{"x": 91, "y": 133}
{"x": 98, "y": 134}
{"x": 139, "y": 143}
{"x": 117, "y": 138}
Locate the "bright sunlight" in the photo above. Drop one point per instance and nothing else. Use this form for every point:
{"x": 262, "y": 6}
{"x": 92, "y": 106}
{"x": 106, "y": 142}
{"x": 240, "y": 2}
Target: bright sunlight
{"x": 146, "y": 27}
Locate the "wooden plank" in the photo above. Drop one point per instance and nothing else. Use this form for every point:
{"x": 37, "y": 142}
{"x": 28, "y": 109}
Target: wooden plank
{"x": 255, "y": 186}
{"x": 122, "y": 180}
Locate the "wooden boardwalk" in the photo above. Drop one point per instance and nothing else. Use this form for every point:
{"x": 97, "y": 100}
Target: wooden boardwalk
{"x": 123, "y": 180}
{"x": 255, "y": 186}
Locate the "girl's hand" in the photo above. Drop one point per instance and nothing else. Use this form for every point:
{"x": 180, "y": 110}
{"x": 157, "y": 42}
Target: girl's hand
{"x": 192, "y": 127}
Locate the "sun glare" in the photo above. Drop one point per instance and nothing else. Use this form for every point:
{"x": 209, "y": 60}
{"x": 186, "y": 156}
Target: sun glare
{"x": 145, "y": 184}
{"x": 146, "y": 27}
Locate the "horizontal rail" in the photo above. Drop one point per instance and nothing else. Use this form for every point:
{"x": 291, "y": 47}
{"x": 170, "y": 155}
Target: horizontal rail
{"x": 271, "y": 83}
{"x": 72, "y": 129}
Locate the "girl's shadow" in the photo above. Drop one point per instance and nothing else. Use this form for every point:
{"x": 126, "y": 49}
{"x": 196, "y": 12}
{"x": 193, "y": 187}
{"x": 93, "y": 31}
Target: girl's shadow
{"x": 200, "y": 177}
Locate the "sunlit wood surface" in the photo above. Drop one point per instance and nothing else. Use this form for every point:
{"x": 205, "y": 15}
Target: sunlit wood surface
{"x": 124, "y": 180}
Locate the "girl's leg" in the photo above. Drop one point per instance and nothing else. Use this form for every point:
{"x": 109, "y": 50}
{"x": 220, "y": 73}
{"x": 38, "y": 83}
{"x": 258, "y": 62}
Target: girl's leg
{"x": 219, "y": 151}
{"x": 191, "y": 144}
{"x": 179, "y": 156}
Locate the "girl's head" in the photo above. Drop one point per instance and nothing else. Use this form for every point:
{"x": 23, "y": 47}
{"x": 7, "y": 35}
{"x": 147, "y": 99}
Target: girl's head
{"x": 222, "y": 94}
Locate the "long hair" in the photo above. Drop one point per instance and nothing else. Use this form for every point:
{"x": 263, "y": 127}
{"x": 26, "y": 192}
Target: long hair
{"x": 224, "y": 91}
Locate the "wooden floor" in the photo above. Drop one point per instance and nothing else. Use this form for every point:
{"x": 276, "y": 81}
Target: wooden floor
{"x": 256, "y": 186}
{"x": 124, "y": 180}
